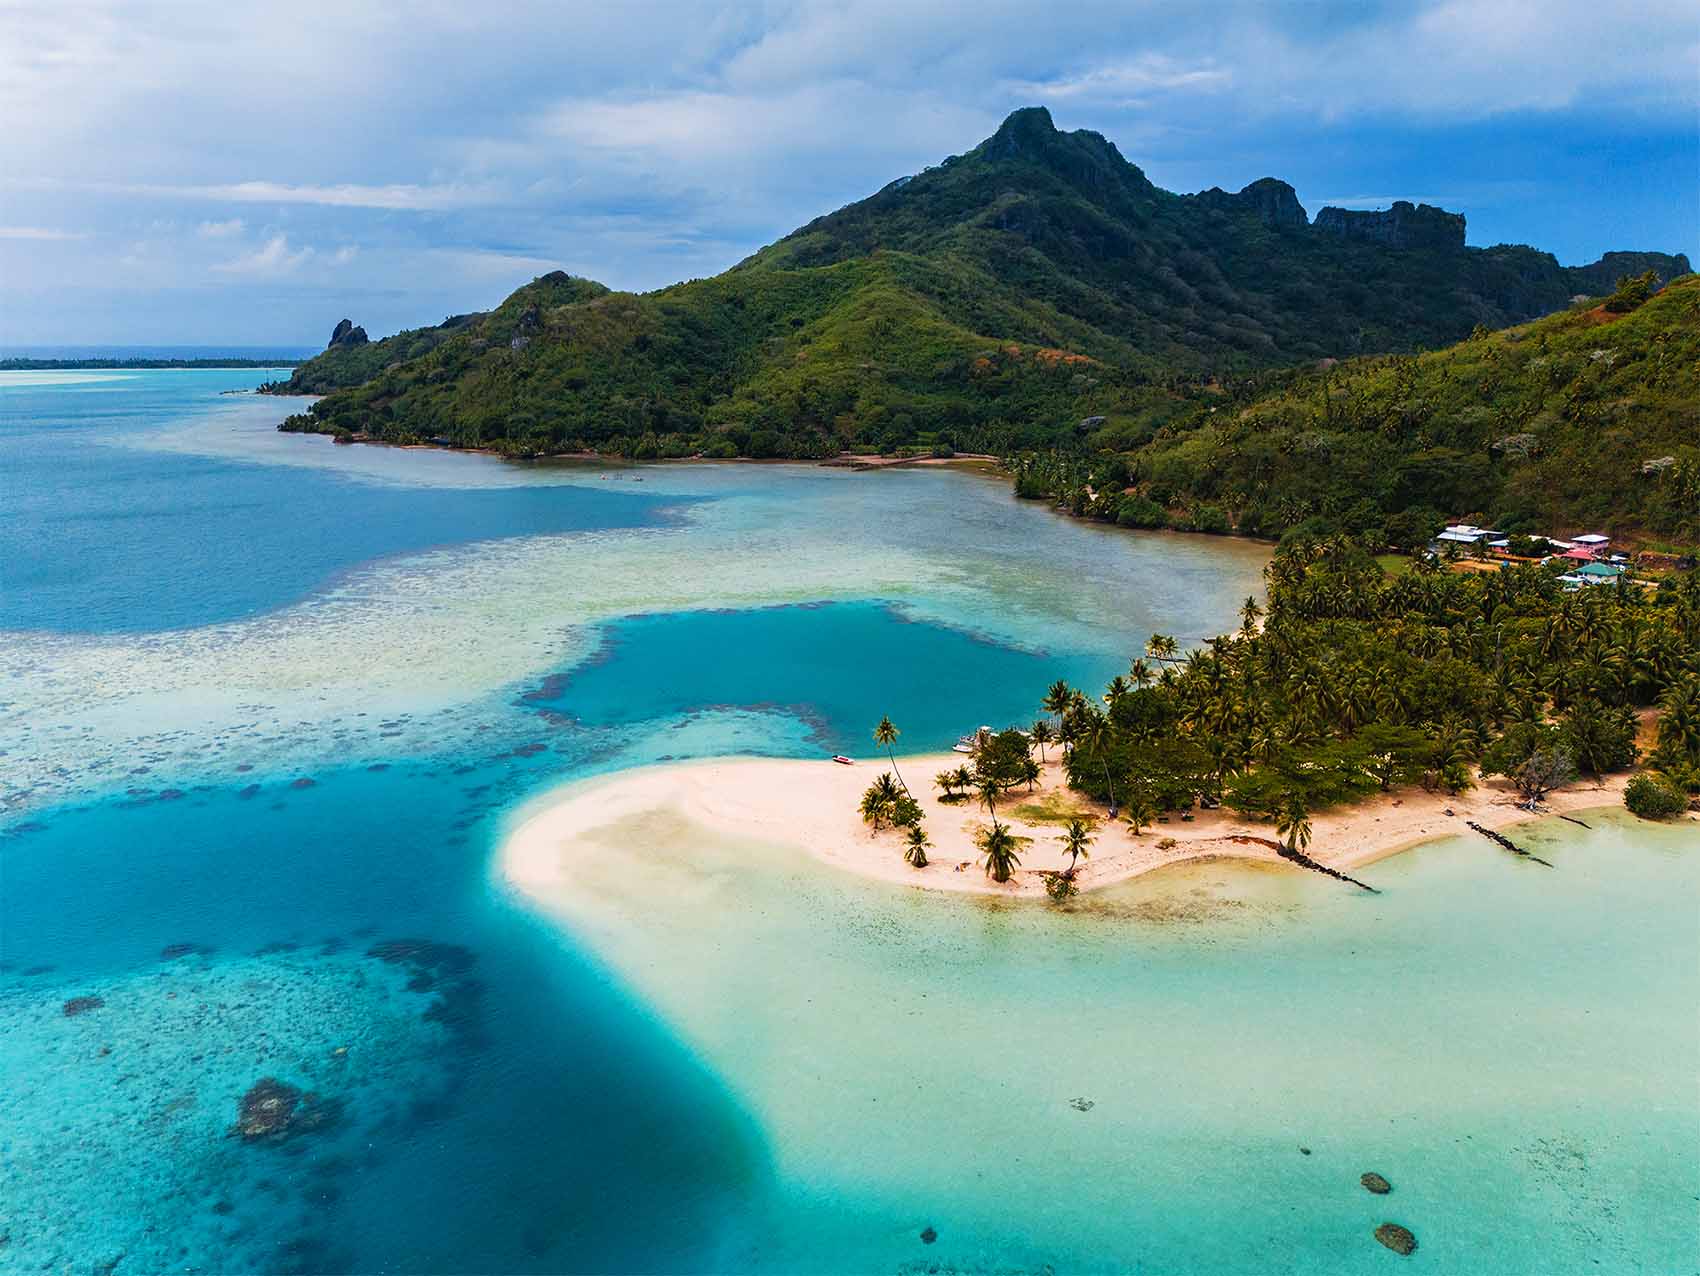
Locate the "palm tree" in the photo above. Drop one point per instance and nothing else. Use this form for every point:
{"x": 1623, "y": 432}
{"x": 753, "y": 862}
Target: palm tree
{"x": 946, "y": 782}
{"x": 886, "y": 734}
{"x": 875, "y": 806}
{"x": 964, "y": 778}
{"x": 1029, "y": 772}
{"x": 990, "y": 789}
{"x": 1076, "y": 838}
{"x": 1139, "y": 672}
{"x": 1116, "y": 691}
{"x": 1057, "y": 699}
{"x": 1679, "y": 721}
{"x": 1140, "y": 812}
{"x": 1067, "y": 734}
{"x": 1161, "y": 647}
{"x": 1250, "y": 612}
{"x": 1041, "y": 735}
{"x": 1293, "y": 825}
{"x": 1100, "y": 734}
{"x": 997, "y": 845}
{"x": 916, "y": 853}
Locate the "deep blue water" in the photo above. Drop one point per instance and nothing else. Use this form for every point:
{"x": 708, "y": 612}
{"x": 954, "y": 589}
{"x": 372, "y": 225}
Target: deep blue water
{"x": 158, "y": 352}
{"x": 560, "y": 1125}
{"x": 565, "y": 1099}
{"x": 581, "y": 1136}
{"x": 822, "y": 664}
{"x": 103, "y": 537}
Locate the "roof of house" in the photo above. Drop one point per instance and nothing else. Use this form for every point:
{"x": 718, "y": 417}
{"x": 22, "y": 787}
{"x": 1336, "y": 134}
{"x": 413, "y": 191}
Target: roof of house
{"x": 1599, "y": 569}
{"x": 1468, "y": 533}
{"x": 1593, "y": 538}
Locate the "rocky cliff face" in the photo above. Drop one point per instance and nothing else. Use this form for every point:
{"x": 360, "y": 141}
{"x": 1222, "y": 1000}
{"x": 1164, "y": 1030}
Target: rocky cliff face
{"x": 1405, "y": 225}
{"x": 1601, "y": 277}
{"x": 345, "y": 334}
{"x": 1275, "y": 202}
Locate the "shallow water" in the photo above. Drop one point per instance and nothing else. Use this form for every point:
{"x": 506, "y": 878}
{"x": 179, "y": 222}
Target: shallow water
{"x": 1190, "y": 1071}
{"x": 268, "y": 703}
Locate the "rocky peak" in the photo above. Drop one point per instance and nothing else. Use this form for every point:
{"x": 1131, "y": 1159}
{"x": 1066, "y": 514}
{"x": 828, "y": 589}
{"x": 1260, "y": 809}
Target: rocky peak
{"x": 1275, "y": 201}
{"x": 1087, "y": 160}
{"x": 1271, "y": 199}
{"x": 1405, "y": 225}
{"x": 346, "y": 334}
{"x": 1025, "y": 131}
{"x": 1602, "y": 276}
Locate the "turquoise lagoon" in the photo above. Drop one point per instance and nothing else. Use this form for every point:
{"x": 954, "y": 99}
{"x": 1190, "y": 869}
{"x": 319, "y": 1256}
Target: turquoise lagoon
{"x": 267, "y": 706}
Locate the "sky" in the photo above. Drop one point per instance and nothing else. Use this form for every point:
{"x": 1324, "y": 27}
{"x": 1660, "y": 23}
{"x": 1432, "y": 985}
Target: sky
{"x": 246, "y": 174}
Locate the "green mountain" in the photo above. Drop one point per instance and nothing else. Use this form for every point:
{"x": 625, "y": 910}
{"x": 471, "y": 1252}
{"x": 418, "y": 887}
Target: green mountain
{"x": 998, "y": 300}
{"x": 1585, "y": 420}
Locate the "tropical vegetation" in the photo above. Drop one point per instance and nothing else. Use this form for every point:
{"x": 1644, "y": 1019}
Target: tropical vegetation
{"x": 1586, "y": 420}
{"x": 1358, "y": 681}
{"x": 1038, "y": 292}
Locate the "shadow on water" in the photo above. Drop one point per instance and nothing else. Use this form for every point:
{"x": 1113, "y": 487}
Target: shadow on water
{"x": 534, "y": 1118}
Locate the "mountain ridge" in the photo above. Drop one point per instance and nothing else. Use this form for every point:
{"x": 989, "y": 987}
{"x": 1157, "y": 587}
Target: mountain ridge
{"x": 987, "y": 303}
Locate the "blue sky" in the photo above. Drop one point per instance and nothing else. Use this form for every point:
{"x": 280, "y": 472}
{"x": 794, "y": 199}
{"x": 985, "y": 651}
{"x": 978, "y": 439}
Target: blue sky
{"x": 229, "y": 173}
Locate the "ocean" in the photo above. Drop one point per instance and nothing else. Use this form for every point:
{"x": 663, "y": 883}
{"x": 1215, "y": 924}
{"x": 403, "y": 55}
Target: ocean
{"x": 267, "y": 706}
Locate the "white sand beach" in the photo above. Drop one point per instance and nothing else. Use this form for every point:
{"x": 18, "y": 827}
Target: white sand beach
{"x": 813, "y": 806}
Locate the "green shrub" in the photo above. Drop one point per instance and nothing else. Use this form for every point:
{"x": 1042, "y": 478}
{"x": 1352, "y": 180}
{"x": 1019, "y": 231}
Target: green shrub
{"x": 1212, "y": 519}
{"x": 1653, "y": 797}
{"x": 1632, "y": 292}
{"x": 1141, "y": 511}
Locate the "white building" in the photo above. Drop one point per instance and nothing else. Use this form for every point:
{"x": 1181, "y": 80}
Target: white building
{"x": 1466, "y": 534}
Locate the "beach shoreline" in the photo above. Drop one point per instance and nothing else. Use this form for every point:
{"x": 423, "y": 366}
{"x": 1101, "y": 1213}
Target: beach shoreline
{"x": 812, "y": 806}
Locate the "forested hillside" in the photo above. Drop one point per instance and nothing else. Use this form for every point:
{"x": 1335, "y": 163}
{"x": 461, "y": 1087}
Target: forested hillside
{"x": 1587, "y": 419}
{"x": 1038, "y": 290}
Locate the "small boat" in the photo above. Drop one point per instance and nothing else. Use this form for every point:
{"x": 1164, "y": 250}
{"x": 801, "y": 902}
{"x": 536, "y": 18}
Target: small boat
{"x": 842, "y": 760}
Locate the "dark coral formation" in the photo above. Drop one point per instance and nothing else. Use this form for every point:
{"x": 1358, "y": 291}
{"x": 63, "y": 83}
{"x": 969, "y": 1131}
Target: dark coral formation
{"x": 1396, "y": 1238}
{"x": 445, "y": 969}
{"x": 1375, "y": 1183}
{"x": 82, "y": 1005}
{"x": 424, "y": 954}
{"x": 275, "y": 1110}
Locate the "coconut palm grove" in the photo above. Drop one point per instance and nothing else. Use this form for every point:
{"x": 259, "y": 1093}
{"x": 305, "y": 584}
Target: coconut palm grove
{"x": 1357, "y": 680}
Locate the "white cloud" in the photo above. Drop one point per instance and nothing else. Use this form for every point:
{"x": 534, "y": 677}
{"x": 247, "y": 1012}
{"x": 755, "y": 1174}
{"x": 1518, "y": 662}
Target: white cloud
{"x": 40, "y": 233}
{"x": 395, "y": 196}
{"x": 481, "y": 263}
{"x": 1128, "y": 80}
{"x": 656, "y": 139}
{"x": 270, "y": 260}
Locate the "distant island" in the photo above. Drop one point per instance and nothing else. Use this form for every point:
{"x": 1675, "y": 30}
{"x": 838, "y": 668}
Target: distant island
{"x": 136, "y": 365}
